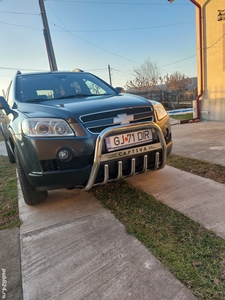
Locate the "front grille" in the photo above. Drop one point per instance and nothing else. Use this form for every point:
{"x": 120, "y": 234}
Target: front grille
{"x": 98, "y": 129}
{"x": 114, "y": 113}
{"x": 97, "y": 122}
{"x": 57, "y": 165}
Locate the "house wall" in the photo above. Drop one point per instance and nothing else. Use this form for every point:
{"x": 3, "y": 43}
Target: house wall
{"x": 212, "y": 103}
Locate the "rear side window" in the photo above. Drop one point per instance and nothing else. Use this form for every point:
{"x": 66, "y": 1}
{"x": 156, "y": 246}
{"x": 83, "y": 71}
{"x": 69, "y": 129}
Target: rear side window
{"x": 94, "y": 88}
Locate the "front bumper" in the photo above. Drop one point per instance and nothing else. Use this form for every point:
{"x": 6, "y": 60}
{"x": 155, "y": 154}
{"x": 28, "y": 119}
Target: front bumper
{"x": 158, "y": 150}
{"x": 106, "y": 166}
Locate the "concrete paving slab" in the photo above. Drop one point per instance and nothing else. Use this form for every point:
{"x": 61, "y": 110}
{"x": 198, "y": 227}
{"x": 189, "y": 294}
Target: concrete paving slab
{"x": 11, "y": 283}
{"x": 202, "y": 140}
{"x": 3, "y": 149}
{"x": 200, "y": 199}
{"x": 73, "y": 248}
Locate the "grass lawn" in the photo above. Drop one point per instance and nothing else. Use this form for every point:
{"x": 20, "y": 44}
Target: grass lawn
{"x": 9, "y": 215}
{"x": 188, "y": 116}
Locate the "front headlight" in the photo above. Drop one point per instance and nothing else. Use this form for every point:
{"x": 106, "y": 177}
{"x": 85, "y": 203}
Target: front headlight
{"x": 46, "y": 127}
{"x": 160, "y": 111}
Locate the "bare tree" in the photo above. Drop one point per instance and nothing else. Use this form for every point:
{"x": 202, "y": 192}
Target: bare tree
{"x": 149, "y": 83}
{"x": 176, "y": 83}
{"x": 146, "y": 77}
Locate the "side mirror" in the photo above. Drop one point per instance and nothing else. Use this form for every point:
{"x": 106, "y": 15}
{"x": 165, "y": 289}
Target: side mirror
{"x": 4, "y": 105}
{"x": 120, "y": 89}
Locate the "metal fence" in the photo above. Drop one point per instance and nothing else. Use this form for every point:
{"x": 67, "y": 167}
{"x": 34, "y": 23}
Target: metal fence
{"x": 170, "y": 100}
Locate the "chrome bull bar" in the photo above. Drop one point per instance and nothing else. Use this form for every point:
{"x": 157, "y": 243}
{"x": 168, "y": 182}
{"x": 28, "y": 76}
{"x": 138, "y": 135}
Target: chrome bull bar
{"x": 129, "y": 152}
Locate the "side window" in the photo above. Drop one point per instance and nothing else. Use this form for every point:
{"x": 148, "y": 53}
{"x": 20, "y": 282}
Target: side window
{"x": 94, "y": 88}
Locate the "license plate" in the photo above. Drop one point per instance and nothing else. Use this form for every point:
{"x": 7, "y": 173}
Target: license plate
{"x": 125, "y": 140}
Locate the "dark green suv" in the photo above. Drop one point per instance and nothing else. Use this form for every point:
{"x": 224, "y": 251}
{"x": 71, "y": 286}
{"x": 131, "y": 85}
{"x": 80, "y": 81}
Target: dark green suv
{"x": 73, "y": 130}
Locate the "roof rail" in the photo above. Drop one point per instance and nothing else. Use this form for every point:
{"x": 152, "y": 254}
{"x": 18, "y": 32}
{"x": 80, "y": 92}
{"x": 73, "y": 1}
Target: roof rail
{"x": 77, "y": 70}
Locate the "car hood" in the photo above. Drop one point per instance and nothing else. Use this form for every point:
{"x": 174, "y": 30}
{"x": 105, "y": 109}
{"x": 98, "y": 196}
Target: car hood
{"x": 71, "y": 109}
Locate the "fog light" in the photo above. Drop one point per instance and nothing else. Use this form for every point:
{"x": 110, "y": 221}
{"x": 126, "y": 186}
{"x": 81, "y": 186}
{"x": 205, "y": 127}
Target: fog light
{"x": 65, "y": 154}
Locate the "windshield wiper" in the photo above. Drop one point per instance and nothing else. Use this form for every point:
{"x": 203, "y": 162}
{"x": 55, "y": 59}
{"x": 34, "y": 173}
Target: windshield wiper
{"x": 73, "y": 96}
{"x": 66, "y": 97}
{"x": 78, "y": 96}
{"x": 82, "y": 96}
{"x": 37, "y": 100}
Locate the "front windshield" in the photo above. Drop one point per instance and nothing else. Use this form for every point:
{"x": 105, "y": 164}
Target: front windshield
{"x": 49, "y": 86}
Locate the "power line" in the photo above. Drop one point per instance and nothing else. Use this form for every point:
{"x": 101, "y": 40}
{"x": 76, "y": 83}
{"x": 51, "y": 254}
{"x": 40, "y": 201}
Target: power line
{"x": 100, "y": 30}
{"x": 8, "y": 68}
{"x": 212, "y": 46}
{"x": 95, "y": 45}
{"x": 100, "y": 69}
{"x": 64, "y": 29}
{"x": 97, "y": 30}
{"x": 122, "y": 72}
{"x": 71, "y": 32}
{"x": 20, "y": 26}
{"x": 132, "y": 29}
{"x": 120, "y": 3}
{"x": 18, "y": 13}
{"x": 176, "y": 62}
{"x": 90, "y": 42}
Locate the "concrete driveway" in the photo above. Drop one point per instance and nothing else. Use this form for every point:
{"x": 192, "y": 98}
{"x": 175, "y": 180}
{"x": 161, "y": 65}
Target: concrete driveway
{"x": 73, "y": 248}
{"x": 2, "y": 149}
{"x": 202, "y": 140}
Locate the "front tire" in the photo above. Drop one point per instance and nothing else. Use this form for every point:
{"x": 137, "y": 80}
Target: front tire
{"x": 30, "y": 194}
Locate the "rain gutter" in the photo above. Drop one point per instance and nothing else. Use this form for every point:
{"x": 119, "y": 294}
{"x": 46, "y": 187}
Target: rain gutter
{"x": 200, "y": 58}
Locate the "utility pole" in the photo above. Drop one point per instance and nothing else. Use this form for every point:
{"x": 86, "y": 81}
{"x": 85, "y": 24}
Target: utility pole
{"x": 47, "y": 36}
{"x": 110, "y": 77}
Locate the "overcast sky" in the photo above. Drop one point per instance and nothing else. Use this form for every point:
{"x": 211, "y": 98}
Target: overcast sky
{"x": 91, "y": 35}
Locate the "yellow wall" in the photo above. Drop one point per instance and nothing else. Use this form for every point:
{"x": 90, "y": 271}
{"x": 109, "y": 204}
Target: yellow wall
{"x": 212, "y": 103}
